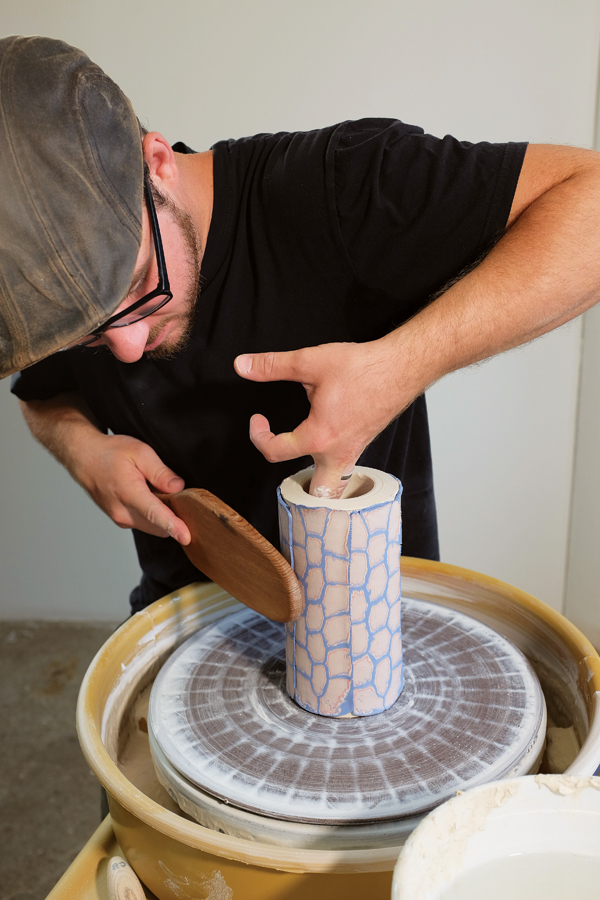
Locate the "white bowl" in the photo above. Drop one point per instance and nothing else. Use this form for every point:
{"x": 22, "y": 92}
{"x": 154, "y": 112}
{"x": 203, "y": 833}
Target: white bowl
{"x": 522, "y": 838}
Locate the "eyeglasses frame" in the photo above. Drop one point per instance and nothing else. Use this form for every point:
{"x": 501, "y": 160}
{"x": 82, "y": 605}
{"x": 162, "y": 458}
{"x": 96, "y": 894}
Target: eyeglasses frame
{"x": 163, "y": 287}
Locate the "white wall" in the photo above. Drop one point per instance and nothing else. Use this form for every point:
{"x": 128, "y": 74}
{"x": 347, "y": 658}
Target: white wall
{"x": 503, "y": 444}
{"x": 582, "y": 600}
{"x": 582, "y": 593}
{"x": 60, "y": 556}
{"x": 201, "y": 71}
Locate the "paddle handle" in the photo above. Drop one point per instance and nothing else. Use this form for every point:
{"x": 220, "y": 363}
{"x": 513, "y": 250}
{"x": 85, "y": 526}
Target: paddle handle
{"x": 122, "y": 882}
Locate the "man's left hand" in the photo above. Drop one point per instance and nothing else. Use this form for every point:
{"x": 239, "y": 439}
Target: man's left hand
{"x": 352, "y": 400}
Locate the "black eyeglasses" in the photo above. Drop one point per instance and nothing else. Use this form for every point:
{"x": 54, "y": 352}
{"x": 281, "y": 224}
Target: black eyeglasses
{"x": 149, "y": 303}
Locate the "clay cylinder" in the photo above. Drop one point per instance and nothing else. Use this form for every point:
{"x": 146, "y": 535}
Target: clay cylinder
{"x": 344, "y": 654}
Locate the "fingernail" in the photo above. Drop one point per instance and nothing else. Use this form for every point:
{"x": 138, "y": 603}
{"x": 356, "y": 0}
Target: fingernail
{"x": 244, "y": 363}
{"x": 175, "y": 482}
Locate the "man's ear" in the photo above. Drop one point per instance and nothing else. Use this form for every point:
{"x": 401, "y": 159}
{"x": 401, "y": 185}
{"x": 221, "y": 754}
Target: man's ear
{"x": 161, "y": 161}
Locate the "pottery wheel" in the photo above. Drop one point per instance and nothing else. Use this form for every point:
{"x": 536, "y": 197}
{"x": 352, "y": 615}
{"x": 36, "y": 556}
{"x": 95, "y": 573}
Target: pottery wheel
{"x": 471, "y": 709}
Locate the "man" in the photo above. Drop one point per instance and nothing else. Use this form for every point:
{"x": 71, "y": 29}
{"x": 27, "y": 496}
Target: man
{"x": 325, "y": 247}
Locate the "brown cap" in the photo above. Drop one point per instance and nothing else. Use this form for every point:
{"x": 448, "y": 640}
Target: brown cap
{"x": 71, "y": 197}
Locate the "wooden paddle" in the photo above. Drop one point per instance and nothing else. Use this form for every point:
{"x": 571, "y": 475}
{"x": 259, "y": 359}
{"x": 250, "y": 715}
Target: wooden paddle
{"x": 232, "y": 553}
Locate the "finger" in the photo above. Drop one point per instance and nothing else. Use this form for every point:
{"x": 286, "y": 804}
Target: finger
{"x": 152, "y": 469}
{"x": 154, "y": 517}
{"x": 328, "y": 482}
{"x": 268, "y": 366}
{"x": 174, "y": 526}
{"x": 163, "y": 478}
{"x": 274, "y": 447}
{"x": 149, "y": 513}
{"x": 159, "y": 515}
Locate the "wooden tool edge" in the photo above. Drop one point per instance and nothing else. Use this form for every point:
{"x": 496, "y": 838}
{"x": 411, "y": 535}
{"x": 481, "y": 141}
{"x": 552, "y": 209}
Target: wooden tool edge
{"x": 232, "y": 519}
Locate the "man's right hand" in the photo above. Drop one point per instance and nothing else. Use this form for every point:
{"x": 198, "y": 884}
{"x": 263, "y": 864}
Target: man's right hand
{"x": 119, "y": 472}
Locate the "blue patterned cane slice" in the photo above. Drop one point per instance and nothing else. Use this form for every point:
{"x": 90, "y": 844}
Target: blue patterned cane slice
{"x": 344, "y": 653}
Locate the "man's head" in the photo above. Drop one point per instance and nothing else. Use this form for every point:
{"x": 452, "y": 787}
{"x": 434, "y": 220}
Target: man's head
{"x": 135, "y": 329}
{"x": 152, "y": 318}
{"x": 71, "y": 198}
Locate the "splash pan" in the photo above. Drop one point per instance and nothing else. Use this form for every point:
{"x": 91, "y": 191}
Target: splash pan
{"x": 177, "y": 857}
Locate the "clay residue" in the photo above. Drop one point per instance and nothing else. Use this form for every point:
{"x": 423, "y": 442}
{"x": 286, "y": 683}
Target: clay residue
{"x": 565, "y": 727}
{"x": 213, "y": 886}
{"x": 135, "y": 759}
{"x": 562, "y": 698}
{"x": 562, "y": 747}
{"x": 567, "y": 784}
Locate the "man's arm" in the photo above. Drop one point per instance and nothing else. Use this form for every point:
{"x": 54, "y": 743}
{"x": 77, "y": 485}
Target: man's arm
{"x": 543, "y": 272}
{"x": 117, "y": 471}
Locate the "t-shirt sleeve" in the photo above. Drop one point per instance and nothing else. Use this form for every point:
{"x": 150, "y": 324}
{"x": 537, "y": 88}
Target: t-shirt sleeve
{"x": 414, "y": 210}
{"x": 45, "y": 379}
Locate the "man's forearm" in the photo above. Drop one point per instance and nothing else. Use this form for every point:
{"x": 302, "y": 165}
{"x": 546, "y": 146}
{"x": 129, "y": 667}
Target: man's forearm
{"x": 62, "y": 425}
{"x": 119, "y": 472}
{"x": 542, "y": 273}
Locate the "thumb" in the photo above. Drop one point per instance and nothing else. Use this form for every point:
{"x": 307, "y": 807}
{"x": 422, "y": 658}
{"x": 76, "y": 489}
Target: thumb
{"x": 268, "y": 366}
{"x": 328, "y": 482}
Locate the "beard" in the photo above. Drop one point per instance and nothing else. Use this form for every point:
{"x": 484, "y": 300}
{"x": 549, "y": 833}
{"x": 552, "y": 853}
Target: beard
{"x": 192, "y": 259}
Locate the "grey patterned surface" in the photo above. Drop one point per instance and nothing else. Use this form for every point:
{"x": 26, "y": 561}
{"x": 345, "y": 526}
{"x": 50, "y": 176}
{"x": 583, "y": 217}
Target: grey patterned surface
{"x": 470, "y": 710}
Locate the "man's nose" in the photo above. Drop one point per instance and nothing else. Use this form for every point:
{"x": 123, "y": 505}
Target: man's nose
{"x": 127, "y": 343}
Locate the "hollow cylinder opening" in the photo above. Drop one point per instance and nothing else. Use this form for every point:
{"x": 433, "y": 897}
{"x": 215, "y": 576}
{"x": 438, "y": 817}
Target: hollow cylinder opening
{"x": 357, "y": 486}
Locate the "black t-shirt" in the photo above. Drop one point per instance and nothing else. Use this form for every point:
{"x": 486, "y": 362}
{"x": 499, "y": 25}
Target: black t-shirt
{"x": 339, "y": 234}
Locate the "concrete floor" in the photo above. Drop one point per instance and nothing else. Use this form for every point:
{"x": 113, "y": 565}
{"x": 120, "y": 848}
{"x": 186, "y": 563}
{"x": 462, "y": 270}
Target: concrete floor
{"x": 49, "y": 799}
